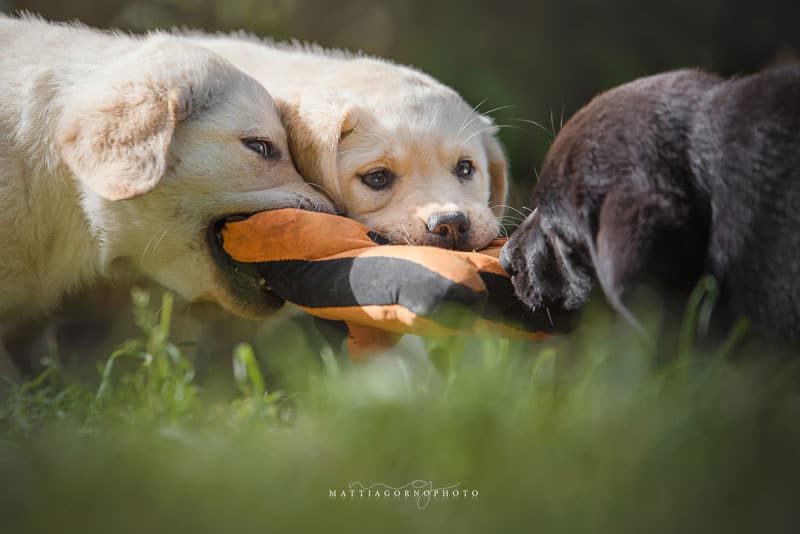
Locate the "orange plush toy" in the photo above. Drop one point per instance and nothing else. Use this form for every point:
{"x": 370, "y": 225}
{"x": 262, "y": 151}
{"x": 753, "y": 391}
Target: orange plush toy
{"x": 331, "y": 267}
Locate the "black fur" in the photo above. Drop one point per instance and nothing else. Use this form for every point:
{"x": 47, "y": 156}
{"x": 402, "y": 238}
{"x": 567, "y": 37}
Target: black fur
{"x": 667, "y": 178}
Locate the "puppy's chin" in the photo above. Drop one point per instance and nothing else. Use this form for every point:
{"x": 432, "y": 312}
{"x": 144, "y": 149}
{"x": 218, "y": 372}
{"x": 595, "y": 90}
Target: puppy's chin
{"x": 432, "y": 240}
{"x": 244, "y": 294}
{"x": 241, "y": 294}
{"x": 257, "y": 305}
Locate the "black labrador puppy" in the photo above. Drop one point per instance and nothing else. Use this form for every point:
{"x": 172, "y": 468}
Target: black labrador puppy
{"x": 662, "y": 180}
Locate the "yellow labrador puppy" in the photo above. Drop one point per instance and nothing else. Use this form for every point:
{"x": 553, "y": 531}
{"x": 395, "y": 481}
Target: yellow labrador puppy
{"x": 121, "y": 155}
{"x": 394, "y": 148}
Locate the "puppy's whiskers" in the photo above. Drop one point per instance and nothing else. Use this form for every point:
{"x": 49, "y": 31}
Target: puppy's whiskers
{"x": 511, "y": 221}
{"x": 150, "y": 242}
{"x": 549, "y": 132}
{"x": 473, "y": 110}
{"x": 498, "y": 108}
{"x": 407, "y": 237}
{"x": 490, "y": 127}
{"x": 515, "y": 210}
{"x": 476, "y": 117}
{"x": 147, "y": 248}
{"x": 160, "y": 239}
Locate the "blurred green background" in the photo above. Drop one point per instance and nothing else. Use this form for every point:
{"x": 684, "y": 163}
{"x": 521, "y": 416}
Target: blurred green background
{"x": 544, "y": 57}
{"x": 586, "y": 433}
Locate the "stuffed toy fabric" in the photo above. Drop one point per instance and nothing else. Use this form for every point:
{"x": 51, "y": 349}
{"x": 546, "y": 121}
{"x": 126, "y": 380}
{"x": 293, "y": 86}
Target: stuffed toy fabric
{"x": 332, "y": 267}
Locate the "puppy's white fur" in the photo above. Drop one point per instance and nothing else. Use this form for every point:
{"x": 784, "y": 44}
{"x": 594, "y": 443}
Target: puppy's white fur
{"x": 348, "y": 116}
{"x": 117, "y": 154}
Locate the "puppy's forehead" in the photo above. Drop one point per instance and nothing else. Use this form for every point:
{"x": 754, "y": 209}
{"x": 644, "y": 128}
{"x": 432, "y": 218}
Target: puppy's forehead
{"x": 420, "y": 110}
{"x": 628, "y": 118}
{"x": 426, "y": 120}
{"x": 400, "y": 97}
{"x": 249, "y": 93}
{"x": 247, "y": 106}
{"x": 406, "y": 113}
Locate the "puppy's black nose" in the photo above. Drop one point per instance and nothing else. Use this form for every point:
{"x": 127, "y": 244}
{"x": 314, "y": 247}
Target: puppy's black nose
{"x": 452, "y": 224}
{"x": 505, "y": 260}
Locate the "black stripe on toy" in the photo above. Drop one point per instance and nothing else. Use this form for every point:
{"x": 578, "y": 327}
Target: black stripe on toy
{"x": 504, "y": 307}
{"x": 368, "y": 281}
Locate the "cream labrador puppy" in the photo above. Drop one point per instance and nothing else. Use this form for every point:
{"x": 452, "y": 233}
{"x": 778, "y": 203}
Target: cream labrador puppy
{"x": 394, "y": 148}
{"x": 121, "y": 156}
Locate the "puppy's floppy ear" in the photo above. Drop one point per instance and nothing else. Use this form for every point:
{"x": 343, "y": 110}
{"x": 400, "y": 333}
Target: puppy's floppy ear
{"x": 650, "y": 237}
{"x": 498, "y": 173}
{"x": 115, "y": 139}
{"x": 314, "y": 129}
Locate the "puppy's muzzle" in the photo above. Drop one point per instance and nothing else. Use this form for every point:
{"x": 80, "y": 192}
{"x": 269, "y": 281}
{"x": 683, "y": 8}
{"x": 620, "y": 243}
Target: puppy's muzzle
{"x": 450, "y": 226}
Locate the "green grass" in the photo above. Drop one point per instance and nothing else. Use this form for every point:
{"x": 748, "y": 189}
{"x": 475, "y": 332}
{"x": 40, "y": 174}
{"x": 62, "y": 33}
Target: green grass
{"x": 579, "y": 434}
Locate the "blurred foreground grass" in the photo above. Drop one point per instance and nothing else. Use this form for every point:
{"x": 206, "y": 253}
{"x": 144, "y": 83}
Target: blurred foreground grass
{"x": 578, "y": 435}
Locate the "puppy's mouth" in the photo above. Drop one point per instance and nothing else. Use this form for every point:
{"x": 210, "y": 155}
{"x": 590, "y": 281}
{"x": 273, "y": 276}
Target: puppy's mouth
{"x": 249, "y": 291}
{"x": 464, "y": 243}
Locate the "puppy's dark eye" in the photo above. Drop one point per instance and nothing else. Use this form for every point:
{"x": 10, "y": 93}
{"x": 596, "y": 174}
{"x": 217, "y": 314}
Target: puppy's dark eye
{"x": 262, "y": 147}
{"x": 464, "y": 169}
{"x": 377, "y": 179}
